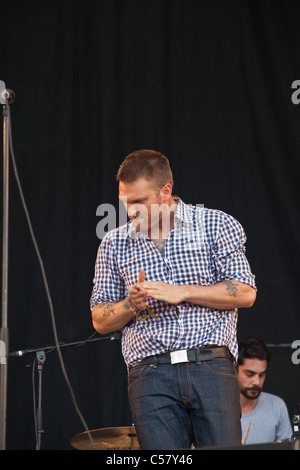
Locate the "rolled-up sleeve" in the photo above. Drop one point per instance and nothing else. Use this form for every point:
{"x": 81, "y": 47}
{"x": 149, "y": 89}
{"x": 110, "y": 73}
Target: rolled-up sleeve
{"x": 229, "y": 253}
{"x": 108, "y": 284}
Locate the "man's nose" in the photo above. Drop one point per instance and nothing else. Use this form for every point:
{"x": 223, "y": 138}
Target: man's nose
{"x": 132, "y": 211}
{"x": 255, "y": 380}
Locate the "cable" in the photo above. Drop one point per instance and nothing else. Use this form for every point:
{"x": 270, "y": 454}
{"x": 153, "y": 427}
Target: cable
{"x": 12, "y": 154}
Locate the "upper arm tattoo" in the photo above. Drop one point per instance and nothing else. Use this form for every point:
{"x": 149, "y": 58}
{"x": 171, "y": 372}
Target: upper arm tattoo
{"x": 231, "y": 288}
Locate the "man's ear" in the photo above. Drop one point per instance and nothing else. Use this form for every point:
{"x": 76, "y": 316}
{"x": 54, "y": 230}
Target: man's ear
{"x": 166, "y": 192}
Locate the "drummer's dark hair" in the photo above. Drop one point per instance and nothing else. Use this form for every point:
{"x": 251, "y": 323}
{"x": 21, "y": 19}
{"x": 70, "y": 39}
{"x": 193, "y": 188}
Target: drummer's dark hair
{"x": 252, "y": 348}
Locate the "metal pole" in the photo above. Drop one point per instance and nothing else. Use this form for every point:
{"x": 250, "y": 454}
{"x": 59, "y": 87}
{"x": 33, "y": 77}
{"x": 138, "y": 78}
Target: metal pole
{"x": 4, "y": 326}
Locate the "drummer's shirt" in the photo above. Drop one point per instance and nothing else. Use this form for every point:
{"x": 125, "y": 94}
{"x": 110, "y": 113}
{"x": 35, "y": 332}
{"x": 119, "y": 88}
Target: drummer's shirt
{"x": 270, "y": 421}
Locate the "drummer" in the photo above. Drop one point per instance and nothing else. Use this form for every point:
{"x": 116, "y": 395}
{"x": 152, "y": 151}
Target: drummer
{"x": 264, "y": 416}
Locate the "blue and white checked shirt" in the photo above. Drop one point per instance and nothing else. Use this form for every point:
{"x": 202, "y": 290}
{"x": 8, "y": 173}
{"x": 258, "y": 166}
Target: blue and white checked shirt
{"x": 205, "y": 246}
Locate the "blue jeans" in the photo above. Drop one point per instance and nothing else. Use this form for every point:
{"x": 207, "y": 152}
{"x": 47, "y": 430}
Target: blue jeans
{"x": 175, "y": 406}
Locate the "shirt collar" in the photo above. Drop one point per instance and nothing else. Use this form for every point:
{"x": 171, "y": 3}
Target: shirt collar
{"x": 183, "y": 212}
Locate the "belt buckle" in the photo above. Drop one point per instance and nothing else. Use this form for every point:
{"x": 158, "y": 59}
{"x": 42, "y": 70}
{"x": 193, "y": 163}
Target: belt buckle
{"x": 179, "y": 356}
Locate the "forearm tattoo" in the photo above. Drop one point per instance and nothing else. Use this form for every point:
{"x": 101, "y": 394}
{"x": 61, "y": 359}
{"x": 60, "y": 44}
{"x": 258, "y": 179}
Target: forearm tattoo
{"x": 108, "y": 310}
{"x": 231, "y": 288}
{"x": 125, "y": 303}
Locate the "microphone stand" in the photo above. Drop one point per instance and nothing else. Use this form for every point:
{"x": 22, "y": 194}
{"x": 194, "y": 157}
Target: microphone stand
{"x": 41, "y": 357}
{"x": 296, "y": 422}
{"x": 8, "y": 96}
{"x": 40, "y": 353}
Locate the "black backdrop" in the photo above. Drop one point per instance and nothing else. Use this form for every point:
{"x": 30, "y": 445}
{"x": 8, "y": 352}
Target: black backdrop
{"x": 208, "y": 83}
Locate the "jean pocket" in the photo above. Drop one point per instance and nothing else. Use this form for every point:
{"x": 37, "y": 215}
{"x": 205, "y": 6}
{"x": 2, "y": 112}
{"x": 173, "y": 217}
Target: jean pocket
{"x": 220, "y": 366}
{"x": 137, "y": 373}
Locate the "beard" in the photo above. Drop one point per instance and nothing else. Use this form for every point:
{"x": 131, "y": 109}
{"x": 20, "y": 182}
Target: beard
{"x": 252, "y": 393}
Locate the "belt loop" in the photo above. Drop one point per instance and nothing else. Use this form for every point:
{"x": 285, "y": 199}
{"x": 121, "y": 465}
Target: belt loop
{"x": 155, "y": 362}
{"x": 198, "y": 356}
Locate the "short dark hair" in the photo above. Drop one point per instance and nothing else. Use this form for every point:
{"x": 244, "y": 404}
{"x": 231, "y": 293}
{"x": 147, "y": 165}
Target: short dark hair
{"x": 148, "y": 164}
{"x": 252, "y": 348}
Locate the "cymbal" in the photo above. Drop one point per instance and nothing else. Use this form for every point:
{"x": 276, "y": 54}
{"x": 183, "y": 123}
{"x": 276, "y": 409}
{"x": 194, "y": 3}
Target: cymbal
{"x": 120, "y": 438}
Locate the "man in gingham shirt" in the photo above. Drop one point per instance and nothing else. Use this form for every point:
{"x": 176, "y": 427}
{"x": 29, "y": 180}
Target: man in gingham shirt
{"x": 172, "y": 280}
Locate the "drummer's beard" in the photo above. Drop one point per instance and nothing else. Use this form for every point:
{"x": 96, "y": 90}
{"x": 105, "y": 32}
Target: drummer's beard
{"x": 252, "y": 393}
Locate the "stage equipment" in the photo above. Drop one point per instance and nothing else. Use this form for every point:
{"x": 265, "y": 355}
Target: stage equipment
{"x": 285, "y": 444}
{"x": 40, "y": 353}
{"x": 120, "y": 438}
{"x": 296, "y": 422}
{"x": 6, "y": 97}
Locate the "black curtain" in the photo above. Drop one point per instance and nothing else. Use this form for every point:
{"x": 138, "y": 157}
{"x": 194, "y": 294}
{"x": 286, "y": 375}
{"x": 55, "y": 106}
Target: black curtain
{"x": 208, "y": 83}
